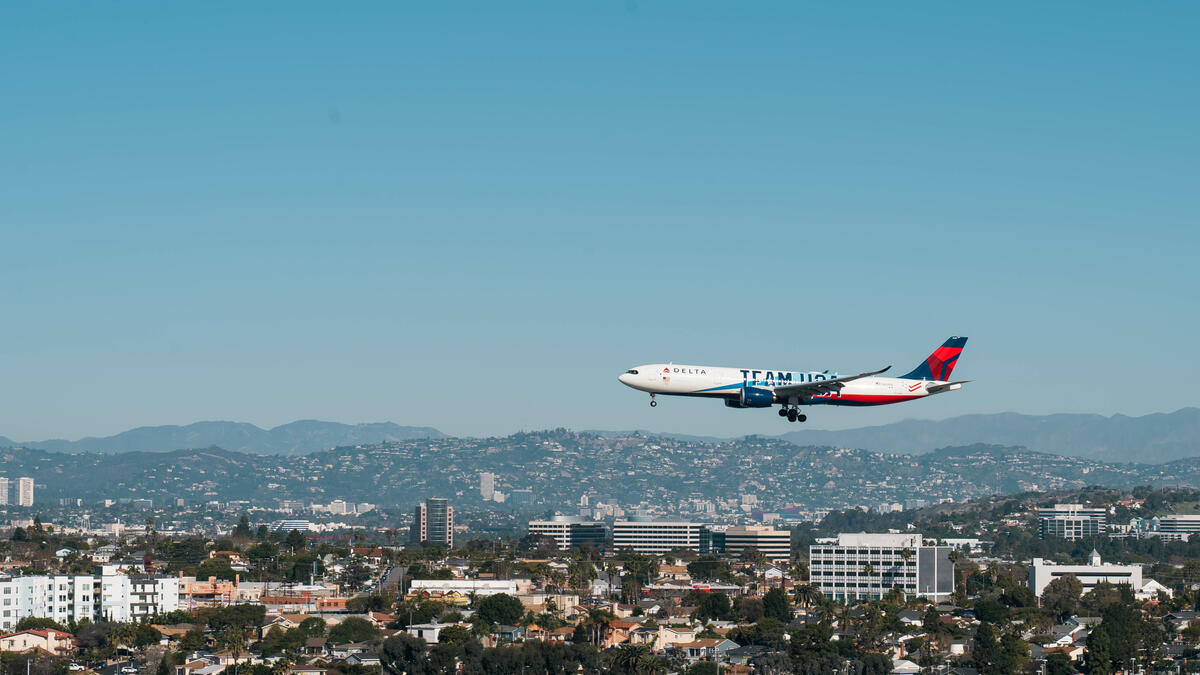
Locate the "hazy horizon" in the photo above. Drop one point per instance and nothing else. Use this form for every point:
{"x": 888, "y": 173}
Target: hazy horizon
{"x": 417, "y": 424}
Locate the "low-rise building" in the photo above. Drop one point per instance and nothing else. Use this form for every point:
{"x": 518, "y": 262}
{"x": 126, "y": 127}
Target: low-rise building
{"x": 656, "y": 537}
{"x": 479, "y": 587}
{"x": 865, "y": 566}
{"x": 1041, "y": 573}
{"x": 775, "y": 544}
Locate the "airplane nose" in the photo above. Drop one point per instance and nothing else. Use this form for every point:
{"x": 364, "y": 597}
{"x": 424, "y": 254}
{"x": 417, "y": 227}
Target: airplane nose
{"x": 624, "y": 378}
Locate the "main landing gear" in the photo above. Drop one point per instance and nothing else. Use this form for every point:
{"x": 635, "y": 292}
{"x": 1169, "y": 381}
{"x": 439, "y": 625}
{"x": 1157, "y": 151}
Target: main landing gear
{"x": 793, "y": 414}
{"x": 652, "y": 401}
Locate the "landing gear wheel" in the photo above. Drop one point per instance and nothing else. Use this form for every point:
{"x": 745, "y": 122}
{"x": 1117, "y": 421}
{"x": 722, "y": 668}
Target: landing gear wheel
{"x": 802, "y": 418}
{"x": 783, "y": 412}
{"x": 653, "y": 403}
{"x": 791, "y": 415}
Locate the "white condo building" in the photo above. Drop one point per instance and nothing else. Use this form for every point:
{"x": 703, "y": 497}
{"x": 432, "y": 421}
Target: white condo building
{"x": 3, "y": 491}
{"x": 655, "y": 537}
{"x": 109, "y": 595}
{"x": 864, "y": 566}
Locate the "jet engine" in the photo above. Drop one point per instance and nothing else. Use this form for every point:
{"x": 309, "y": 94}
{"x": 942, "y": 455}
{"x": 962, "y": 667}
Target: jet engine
{"x": 752, "y": 397}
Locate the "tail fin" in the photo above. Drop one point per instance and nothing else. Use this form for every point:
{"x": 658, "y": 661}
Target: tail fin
{"x": 940, "y": 363}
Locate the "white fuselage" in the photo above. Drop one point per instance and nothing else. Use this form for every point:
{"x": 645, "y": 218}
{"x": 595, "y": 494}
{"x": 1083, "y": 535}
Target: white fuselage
{"x": 721, "y": 382}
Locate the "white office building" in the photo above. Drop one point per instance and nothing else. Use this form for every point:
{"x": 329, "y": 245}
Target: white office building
{"x": 1072, "y": 521}
{"x": 1178, "y": 527}
{"x": 571, "y": 532}
{"x": 487, "y": 486}
{"x": 285, "y": 526}
{"x": 655, "y": 537}
{"x": 3, "y": 491}
{"x": 1041, "y": 573}
{"x": 866, "y": 566}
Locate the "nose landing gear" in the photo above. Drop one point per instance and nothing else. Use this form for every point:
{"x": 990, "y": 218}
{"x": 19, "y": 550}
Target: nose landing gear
{"x": 652, "y": 401}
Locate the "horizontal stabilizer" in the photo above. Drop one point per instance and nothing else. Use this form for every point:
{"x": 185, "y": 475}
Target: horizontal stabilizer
{"x": 949, "y": 386}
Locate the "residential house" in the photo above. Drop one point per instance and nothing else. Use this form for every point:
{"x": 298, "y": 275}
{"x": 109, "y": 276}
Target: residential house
{"x": 48, "y": 640}
{"x": 316, "y": 646}
{"x": 505, "y": 633}
{"x": 363, "y": 659}
{"x": 429, "y": 632}
{"x": 713, "y": 649}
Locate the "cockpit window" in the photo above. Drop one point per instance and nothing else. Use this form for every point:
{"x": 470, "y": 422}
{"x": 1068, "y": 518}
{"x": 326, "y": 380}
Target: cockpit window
{"x": 631, "y": 372}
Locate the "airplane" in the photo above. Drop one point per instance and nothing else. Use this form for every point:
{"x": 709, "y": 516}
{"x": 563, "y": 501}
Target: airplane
{"x": 755, "y": 388}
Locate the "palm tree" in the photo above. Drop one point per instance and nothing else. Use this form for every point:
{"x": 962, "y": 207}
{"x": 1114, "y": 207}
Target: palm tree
{"x": 598, "y": 620}
{"x": 635, "y": 659}
{"x": 808, "y": 595}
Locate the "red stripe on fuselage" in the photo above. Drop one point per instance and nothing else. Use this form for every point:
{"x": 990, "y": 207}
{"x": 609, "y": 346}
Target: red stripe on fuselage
{"x": 865, "y": 399}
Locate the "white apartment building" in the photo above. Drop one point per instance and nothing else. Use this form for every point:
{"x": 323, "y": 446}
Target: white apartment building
{"x": 775, "y": 544}
{"x": 865, "y": 566}
{"x": 3, "y": 491}
{"x": 59, "y": 597}
{"x": 655, "y": 537}
{"x": 1041, "y": 573}
{"x": 109, "y": 595}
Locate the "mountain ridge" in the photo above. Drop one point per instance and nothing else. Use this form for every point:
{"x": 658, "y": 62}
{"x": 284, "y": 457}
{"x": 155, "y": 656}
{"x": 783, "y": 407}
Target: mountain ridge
{"x": 1154, "y": 438}
{"x": 294, "y": 438}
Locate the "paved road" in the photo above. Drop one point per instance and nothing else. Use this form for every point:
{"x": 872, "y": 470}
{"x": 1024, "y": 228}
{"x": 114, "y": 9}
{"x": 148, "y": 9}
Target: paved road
{"x": 393, "y": 576}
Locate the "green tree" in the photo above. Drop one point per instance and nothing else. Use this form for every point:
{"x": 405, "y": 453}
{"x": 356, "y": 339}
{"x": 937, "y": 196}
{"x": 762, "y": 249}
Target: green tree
{"x": 1061, "y": 596}
{"x": 713, "y": 606}
{"x": 242, "y": 529}
{"x": 403, "y": 653}
{"x": 776, "y": 605}
{"x": 296, "y": 540}
{"x": 986, "y": 652}
{"x": 1059, "y": 664}
{"x": 500, "y": 608}
{"x": 1099, "y": 651}
{"x": 192, "y": 640}
{"x": 455, "y": 635}
{"x": 353, "y": 629}
{"x": 991, "y": 611}
{"x": 39, "y": 623}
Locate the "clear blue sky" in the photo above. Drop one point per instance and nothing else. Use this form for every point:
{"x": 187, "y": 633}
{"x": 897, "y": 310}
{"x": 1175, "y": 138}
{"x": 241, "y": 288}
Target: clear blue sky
{"x": 475, "y": 218}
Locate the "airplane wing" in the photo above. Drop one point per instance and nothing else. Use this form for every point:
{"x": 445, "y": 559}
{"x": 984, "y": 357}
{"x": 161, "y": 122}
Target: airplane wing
{"x": 818, "y": 387}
